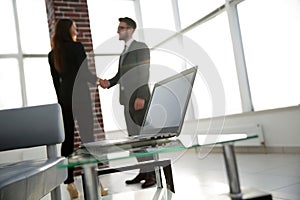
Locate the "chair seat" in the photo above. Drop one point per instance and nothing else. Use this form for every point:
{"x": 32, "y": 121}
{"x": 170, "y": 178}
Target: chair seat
{"x": 30, "y": 179}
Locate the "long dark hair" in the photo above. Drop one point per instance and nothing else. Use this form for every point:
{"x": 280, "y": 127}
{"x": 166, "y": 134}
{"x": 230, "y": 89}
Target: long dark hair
{"x": 60, "y": 37}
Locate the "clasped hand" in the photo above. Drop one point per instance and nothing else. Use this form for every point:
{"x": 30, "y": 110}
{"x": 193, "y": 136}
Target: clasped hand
{"x": 103, "y": 83}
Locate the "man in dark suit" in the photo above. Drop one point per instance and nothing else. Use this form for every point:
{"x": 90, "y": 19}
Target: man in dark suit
{"x": 133, "y": 77}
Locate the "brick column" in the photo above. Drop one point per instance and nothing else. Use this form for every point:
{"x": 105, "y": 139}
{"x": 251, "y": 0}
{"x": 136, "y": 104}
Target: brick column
{"x": 77, "y": 10}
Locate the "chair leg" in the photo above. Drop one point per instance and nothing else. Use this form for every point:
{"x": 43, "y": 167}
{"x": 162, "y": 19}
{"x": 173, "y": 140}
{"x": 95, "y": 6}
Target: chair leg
{"x": 56, "y": 193}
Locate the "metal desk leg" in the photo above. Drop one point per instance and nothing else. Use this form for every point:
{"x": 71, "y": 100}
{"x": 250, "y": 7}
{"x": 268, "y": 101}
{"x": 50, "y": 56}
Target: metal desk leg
{"x": 169, "y": 177}
{"x": 91, "y": 182}
{"x": 232, "y": 171}
{"x": 157, "y": 173}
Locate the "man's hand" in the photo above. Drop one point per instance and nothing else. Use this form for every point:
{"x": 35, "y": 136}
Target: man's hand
{"x": 139, "y": 104}
{"x": 103, "y": 83}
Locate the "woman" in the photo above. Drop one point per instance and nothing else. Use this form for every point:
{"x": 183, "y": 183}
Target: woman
{"x": 71, "y": 76}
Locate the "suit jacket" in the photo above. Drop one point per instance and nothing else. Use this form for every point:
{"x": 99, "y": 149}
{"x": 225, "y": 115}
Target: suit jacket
{"x": 76, "y": 75}
{"x": 133, "y": 74}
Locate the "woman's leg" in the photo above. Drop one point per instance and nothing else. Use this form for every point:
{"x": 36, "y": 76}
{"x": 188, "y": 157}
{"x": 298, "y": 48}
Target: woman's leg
{"x": 67, "y": 147}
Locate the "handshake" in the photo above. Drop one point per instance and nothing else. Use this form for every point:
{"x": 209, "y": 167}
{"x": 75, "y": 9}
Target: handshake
{"x": 103, "y": 83}
{"x": 139, "y": 103}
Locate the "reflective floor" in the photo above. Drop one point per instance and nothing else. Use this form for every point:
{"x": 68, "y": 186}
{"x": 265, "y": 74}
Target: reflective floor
{"x": 203, "y": 176}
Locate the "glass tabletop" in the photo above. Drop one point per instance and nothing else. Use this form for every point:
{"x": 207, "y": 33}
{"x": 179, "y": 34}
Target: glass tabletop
{"x": 113, "y": 149}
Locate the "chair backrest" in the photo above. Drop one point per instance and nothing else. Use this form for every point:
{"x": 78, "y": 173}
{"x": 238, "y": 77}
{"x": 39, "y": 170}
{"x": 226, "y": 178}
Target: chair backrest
{"x": 31, "y": 126}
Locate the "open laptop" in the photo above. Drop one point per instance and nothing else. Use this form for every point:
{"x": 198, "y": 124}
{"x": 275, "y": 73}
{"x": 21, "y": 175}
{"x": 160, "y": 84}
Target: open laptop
{"x": 165, "y": 112}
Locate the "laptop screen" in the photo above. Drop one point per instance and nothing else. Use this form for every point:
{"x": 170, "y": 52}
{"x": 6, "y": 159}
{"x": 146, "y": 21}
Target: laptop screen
{"x": 168, "y": 104}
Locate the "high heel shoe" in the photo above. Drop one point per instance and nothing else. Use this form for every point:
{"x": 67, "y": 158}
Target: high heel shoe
{"x": 72, "y": 191}
{"x": 104, "y": 191}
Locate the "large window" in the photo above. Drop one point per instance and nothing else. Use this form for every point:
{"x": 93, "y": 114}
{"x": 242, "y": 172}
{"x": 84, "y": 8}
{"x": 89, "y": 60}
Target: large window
{"x": 214, "y": 37}
{"x": 272, "y": 45}
{"x": 270, "y": 39}
{"x": 24, "y": 71}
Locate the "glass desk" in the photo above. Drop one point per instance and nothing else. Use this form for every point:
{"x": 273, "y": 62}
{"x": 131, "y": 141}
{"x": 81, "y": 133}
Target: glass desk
{"x": 90, "y": 154}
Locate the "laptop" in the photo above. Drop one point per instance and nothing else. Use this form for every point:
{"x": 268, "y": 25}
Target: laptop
{"x": 166, "y": 110}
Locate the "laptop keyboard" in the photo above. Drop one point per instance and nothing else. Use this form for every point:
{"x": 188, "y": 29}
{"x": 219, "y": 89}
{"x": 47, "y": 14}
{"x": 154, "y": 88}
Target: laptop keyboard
{"x": 165, "y": 135}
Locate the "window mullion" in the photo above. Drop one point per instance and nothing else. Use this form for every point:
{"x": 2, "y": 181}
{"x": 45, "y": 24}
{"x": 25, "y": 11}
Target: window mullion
{"x": 239, "y": 55}
{"x": 20, "y": 55}
{"x": 138, "y": 13}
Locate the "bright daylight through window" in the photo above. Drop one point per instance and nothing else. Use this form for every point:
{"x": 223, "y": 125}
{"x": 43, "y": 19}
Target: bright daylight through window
{"x": 270, "y": 39}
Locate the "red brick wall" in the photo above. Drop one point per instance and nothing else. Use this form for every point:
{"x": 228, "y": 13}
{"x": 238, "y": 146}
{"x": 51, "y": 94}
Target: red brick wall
{"x": 77, "y": 10}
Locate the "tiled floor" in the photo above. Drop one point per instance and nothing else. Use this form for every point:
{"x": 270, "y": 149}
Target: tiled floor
{"x": 199, "y": 176}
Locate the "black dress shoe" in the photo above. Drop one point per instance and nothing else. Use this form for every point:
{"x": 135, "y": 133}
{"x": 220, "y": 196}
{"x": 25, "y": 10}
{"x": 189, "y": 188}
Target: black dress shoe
{"x": 137, "y": 179}
{"x": 149, "y": 181}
